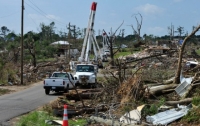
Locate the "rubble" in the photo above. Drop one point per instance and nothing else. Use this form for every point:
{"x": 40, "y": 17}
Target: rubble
{"x": 151, "y": 79}
{"x": 132, "y": 117}
{"x": 183, "y": 86}
{"x": 166, "y": 117}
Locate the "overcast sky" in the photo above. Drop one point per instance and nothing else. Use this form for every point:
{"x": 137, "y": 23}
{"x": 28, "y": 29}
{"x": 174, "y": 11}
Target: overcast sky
{"x": 157, "y": 14}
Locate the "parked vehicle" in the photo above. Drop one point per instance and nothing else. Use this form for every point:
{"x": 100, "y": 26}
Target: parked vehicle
{"x": 59, "y": 81}
{"x": 107, "y": 52}
{"x": 86, "y": 75}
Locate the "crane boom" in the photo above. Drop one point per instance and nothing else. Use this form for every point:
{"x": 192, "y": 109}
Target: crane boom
{"x": 88, "y": 36}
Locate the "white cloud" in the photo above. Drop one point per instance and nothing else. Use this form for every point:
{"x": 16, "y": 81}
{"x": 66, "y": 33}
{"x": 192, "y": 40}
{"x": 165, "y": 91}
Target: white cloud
{"x": 157, "y": 30}
{"x": 149, "y": 9}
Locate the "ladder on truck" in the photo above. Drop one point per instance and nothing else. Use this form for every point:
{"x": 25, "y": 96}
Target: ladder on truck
{"x": 90, "y": 42}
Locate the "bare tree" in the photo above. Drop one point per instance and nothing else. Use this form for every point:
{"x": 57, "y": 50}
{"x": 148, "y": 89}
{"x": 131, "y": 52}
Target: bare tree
{"x": 180, "y": 30}
{"x": 139, "y": 25}
{"x": 111, "y": 40}
{"x": 30, "y": 44}
{"x": 121, "y": 33}
{"x": 171, "y": 31}
{"x": 178, "y": 71}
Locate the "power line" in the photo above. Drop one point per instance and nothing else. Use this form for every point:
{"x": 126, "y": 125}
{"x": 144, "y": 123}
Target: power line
{"x": 44, "y": 14}
{"x": 9, "y": 15}
{"x": 33, "y": 20}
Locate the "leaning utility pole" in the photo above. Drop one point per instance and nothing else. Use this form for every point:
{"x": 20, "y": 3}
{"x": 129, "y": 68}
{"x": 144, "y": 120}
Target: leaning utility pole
{"x": 22, "y": 40}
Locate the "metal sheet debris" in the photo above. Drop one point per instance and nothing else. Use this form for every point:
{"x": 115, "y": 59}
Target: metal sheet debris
{"x": 132, "y": 117}
{"x": 166, "y": 117}
{"x": 184, "y": 86}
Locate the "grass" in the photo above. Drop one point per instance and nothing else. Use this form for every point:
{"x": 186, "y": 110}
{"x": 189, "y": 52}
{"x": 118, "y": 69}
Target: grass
{"x": 193, "y": 114}
{"x": 121, "y": 54}
{"x": 79, "y": 122}
{"x": 4, "y": 91}
{"x": 198, "y": 51}
{"x": 125, "y": 51}
{"x": 37, "y": 118}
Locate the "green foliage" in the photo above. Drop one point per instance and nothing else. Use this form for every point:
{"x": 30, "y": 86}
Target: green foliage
{"x": 36, "y": 118}
{"x": 150, "y": 110}
{"x": 27, "y": 57}
{"x": 118, "y": 54}
{"x": 153, "y": 108}
{"x": 78, "y": 122}
{"x": 5, "y": 70}
{"x": 196, "y": 101}
{"x": 198, "y": 51}
{"x": 133, "y": 49}
{"x": 50, "y": 50}
{"x": 123, "y": 50}
{"x": 12, "y": 46}
{"x": 192, "y": 116}
{"x": 196, "y": 92}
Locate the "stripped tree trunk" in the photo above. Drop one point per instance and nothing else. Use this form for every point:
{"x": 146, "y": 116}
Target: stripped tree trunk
{"x": 178, "y": 71}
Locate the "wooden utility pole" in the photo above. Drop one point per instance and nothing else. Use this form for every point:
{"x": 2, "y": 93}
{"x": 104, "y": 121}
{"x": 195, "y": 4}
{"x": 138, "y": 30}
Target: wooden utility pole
{"x": 74, "y": 37}
{"x": 22, "y": 39}
{"x": 171, "y": 31}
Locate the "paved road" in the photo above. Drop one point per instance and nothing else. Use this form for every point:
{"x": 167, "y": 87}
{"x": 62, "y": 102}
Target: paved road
{"x": 18, "y": 103}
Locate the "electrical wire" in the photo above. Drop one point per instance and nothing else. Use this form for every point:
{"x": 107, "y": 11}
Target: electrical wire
{"x": 44, "y": 14}
{"x": 9, "y": 15}
{"x": 32, "y": 20}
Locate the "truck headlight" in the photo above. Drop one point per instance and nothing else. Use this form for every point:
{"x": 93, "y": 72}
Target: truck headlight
{"x": 93, "y": 76}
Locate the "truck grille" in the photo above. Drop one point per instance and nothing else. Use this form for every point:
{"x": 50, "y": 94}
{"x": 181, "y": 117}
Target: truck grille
{"x": 84, "y": 77}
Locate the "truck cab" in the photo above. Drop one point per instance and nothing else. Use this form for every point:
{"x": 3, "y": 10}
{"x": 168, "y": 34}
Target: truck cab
{"x": 59, "y": 81}
{"x": 86, "y": 75}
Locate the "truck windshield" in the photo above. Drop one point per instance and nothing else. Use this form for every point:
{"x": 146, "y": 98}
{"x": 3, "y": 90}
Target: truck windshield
{"x": 62, "y": 75}
{"x": 85, "y": 68}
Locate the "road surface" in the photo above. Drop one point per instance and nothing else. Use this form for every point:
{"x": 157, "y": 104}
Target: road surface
{"x": 21, "y": 102}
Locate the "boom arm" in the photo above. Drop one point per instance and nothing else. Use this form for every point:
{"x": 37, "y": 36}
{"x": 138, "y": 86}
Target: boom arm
{"x": 88, "y": 37}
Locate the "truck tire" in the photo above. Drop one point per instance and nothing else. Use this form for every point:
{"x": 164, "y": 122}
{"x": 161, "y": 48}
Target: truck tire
{"x": 47, "y": 91}
{"x": 67, "y": 89}
{"x": 94, "y": 85}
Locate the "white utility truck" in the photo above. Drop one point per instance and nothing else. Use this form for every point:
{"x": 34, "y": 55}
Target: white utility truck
{"x": 59, "y": 81}
{"x": 86, "y": 75}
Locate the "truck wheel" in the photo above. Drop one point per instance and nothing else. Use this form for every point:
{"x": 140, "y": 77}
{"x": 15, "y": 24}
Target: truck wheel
{"x": 67, "y": 89}
{"x": 95, "y": 84}
{"x": 47, "y": 91}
